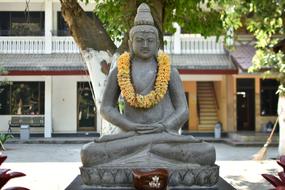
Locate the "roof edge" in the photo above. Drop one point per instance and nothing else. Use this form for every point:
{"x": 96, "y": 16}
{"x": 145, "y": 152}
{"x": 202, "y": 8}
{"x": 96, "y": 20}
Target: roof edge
{"x": 51, "y": 72}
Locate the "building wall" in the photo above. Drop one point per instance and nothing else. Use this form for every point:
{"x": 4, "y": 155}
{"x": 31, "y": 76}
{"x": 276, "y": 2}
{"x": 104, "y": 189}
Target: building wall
{"x": 64, "y": 102}
{"x": 4, "y": 119}
{"x": 39, "y": 5}
{"x": 20, "y": 6}
{"x": 230, "y": 94}
{"x": 221, "y": 84}
{"x": 191, "y": 88}
{"x": 260, "y": 120}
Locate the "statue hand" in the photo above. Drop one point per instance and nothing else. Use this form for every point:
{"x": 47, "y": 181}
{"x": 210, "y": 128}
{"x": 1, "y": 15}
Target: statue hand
{"x": 152, "y": 128}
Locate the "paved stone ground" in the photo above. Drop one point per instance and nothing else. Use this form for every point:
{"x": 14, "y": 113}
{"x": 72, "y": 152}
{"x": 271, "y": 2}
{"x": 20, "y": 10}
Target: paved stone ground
{"x": 54, "y": 166}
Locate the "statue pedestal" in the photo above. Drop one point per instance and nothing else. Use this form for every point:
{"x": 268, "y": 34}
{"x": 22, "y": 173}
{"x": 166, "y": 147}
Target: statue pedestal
{"x": 118, "y": 173}
{"x": 76, "y": 184}
{"x": 183, "y": 175}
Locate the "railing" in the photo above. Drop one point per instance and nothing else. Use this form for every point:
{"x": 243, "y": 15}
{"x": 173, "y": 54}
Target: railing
{"x": 183, "y": 44}
{"x": 35, "y": 45}
{"x": 195, "y": 44}
{"x": 215, "y": 96}
{"x": 198, "y": 44}
{"x": 64, "y": 45}
{"x": 168, "y": 44}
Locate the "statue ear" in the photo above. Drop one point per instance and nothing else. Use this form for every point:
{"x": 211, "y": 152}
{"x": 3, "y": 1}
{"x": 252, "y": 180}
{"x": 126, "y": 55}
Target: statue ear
{"x": 157, "y": 46}
{"x": 131, "y": 47}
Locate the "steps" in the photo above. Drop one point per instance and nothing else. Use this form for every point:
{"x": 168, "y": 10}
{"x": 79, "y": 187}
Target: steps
{"x": 207, "y": 106}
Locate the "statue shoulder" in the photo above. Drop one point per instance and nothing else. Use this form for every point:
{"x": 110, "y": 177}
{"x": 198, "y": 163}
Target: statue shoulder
{"x": 174, "y": 72}
{"x": 113, "y": 72}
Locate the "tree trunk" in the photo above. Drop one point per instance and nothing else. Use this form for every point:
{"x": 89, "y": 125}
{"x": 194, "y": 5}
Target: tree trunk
{"x": 96, "y": 47}
{"x": 87, "y": 32}
{"x": 157, "y": 10}
{"x": 95, "y": 61}
{"x": 281, "y": 113}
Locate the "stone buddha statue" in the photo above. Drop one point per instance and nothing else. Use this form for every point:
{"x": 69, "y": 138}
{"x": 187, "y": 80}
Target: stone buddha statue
{"x": 155, "y": 109}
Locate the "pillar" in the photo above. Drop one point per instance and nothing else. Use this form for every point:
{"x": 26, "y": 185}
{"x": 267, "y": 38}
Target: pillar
{"x": 48, "y": 26}
{"x": 48, "y": 107}
{"x": 177, "y": 39}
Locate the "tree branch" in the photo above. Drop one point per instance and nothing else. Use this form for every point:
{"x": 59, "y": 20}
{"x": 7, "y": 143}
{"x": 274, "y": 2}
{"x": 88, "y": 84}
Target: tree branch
{"x": 87, "y": 32}
{"x": 157, "y": 8}
{"x": 131, "y": 8}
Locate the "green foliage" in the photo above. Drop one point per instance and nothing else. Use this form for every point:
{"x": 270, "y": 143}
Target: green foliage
{"x": 263, "y": 18}
{"x": 121, "y": 105}
{"x": 2, "y": 70}
{"x": 4, "y": 137}
{"x": 117, "y": 16}
{"x": 193, "y": 16}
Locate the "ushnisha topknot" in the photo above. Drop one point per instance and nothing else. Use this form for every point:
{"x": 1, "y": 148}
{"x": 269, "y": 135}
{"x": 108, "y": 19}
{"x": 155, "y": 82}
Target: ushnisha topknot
{"x": 143, "y": 21}
{"x": 143, "y": 16}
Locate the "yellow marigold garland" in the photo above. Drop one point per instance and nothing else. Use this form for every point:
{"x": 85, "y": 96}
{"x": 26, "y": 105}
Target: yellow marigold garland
{"x": 160, "y": 86}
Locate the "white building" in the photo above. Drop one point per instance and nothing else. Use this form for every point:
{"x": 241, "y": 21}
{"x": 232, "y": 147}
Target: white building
{"x": 49, "y": 78}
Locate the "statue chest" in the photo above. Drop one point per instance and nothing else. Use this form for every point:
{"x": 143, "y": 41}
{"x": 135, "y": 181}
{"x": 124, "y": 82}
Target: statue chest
{"x": 143, "y": 78}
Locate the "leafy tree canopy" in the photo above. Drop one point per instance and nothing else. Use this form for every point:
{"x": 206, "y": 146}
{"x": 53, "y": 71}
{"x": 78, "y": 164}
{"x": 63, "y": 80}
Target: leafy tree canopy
{"x": 262, "y": 18}
{"x": 193, "y": 16}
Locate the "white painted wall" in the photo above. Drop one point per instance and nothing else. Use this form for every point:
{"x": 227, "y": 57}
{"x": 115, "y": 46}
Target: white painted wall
{"x": 64, "y": 103}
{"x": 200, "y": 77}
{"x": 4, "y": 119}
{"x": 20, "y": 6}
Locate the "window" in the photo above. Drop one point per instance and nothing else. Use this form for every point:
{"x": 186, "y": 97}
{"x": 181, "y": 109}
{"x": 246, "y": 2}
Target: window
{"x": 268, "y": 97}
{"x": 22, "y": 98}
{"x": 4, "y": 99}
{"x": 62, "y": 29}
{"x": 21, "y": 23}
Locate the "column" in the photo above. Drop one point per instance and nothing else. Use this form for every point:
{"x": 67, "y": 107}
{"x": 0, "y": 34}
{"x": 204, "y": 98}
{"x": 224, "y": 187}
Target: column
{"x": 48, "y": 108}
{"x": 48, "y": 26}
{"x": 230, "y": 37}
{"x": 176, "y": 39}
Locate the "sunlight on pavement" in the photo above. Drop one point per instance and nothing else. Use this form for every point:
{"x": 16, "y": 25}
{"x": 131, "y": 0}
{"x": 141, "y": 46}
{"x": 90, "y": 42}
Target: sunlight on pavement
{"x": 44, "y": 175}
{"x": 246, "y": 175}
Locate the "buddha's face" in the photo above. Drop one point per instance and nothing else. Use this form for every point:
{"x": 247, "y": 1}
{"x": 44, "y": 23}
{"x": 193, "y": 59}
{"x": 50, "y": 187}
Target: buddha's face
{"x": 144, "y": 44}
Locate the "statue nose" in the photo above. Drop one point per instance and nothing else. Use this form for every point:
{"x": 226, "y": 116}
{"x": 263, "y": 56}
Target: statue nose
{"x": 145, "y": 44}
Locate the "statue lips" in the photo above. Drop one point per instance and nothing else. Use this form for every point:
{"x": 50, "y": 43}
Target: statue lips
{"x": 145, "y": 51}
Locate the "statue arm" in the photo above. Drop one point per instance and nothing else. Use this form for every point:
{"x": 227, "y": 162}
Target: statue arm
{"x": 109, "y": 109}
{"x": 177, "y": 95}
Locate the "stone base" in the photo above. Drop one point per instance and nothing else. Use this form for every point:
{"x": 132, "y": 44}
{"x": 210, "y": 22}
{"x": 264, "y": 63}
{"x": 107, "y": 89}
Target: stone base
{"x": 182, "y": 175}
{"x": 76, "y": 184}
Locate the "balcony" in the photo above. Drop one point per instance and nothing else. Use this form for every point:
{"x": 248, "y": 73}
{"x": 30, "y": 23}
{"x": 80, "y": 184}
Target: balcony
{"x": 37, "y": 45}
{"x": 183, "y": 44}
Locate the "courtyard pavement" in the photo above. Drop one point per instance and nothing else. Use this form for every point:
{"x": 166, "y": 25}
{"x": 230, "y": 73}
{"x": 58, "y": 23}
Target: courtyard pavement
{"x": 54, "y": 166}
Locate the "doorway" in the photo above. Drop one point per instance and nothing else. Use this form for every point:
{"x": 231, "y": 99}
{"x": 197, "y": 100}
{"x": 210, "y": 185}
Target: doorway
{"x": 86, "y": 109}
{"x": 245, "y": 104}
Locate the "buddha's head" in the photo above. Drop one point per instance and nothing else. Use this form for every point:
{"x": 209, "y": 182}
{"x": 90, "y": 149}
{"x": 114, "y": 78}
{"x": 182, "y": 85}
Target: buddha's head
{"x": 144, "y": 40}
